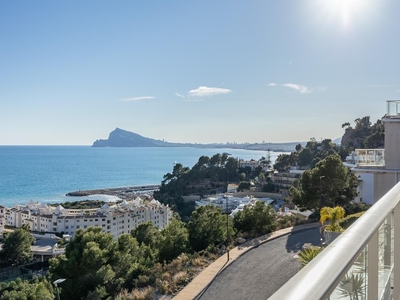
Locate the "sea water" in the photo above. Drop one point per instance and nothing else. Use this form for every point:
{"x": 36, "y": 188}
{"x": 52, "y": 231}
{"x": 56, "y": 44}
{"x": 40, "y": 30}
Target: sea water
{"x": 47, "y": 173}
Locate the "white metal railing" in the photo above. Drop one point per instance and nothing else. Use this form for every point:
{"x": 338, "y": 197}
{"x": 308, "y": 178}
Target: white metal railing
{"x": 370, "y": 157}
{"x": 362, "y": 263}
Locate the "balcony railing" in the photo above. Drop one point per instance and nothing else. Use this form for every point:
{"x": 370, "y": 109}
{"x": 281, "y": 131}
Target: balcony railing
{"x": 362, "y": 263}
{"x": 370, "y": 157}
{"x": 393, "y": 109}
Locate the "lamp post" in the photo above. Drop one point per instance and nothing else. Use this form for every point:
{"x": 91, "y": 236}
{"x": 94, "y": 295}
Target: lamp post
{"x": 227, "y": 227}
{"x": 320, "y": 203}
{"x": 56, "y": 285}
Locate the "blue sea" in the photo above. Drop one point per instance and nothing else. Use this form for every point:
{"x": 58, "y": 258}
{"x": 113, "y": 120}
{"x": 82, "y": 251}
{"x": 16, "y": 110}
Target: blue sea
{"x": 47, "y": 173}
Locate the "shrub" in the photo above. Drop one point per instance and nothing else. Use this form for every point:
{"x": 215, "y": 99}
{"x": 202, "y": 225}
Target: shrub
{"x": 308, "y": 254}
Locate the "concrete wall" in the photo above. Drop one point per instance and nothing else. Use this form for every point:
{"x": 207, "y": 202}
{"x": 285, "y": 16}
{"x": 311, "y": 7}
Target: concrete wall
{"x": 383, "y": 182}
{"x": 366, "y": 188}
{"x": 392, "y": 143}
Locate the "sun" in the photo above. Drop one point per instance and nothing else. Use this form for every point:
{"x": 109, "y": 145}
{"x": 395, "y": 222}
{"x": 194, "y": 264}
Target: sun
{"x": 346, "y": 12}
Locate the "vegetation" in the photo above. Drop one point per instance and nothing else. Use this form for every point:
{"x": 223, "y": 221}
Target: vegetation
{"x": 16, "y": 248}
{"x": 334, "y": 215}
{"x": 83, "y": 204}
{"x": 37, "y": 289}
{"x": 364, "y": 134}
{"x": 208, "y": 227}
{"x": 308, "y": 156}
{"x": 330, "y": 183}
{"x": 206, "y": 176}
{"x": 308, "y": 254}
{"x": 352, "y": 286}
{"x": 257, "y": 220}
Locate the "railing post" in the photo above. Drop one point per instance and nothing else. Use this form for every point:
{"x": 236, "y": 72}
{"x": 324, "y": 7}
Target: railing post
{"x": 373, "y": 256}
{"x": 388, "y": 260}
{"x": 396, "y": 242}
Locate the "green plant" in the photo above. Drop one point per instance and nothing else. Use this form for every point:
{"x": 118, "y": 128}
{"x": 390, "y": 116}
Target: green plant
{"x": 350, "y": 219}
{"x": 334, "y": 215}
{"x": 308, "y": 254}
{"x": 352, "y": 286}
{"x": 337, "y": 220}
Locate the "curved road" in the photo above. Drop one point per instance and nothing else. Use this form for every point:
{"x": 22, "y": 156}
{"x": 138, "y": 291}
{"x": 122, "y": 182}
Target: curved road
{"x": 262, "y": 271}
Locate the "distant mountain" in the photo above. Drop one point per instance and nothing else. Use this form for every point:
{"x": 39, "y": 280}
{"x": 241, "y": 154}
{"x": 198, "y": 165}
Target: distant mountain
{"x": 123, "y": 138}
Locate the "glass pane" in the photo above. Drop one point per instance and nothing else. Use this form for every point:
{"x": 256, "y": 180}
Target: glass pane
{"x": 353, "y": 285}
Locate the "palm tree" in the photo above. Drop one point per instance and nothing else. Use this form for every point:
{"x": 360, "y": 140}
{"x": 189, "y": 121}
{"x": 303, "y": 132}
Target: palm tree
{"x": 334, "y": 215}
{"x": 352, "y": 286}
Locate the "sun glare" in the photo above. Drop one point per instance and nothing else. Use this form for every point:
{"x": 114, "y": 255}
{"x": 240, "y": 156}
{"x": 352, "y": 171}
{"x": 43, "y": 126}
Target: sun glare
{"x": 346, "y": 11}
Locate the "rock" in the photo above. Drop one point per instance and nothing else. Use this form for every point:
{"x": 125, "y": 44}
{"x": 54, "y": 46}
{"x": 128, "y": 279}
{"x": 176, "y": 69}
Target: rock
{"x": 241, "y": 240}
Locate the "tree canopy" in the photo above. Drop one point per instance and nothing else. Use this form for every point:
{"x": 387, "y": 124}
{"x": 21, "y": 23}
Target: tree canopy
{"x": 38, "y": 289}
{"x": 96, "y": 266}
{"x": 207, "y": 174}
{"x": 16, "y": 249}
{"x": 208, "y": 227}
{"x": 364, "y": 134}
{"x": 257, "y": 219}
{"x": 330, "y": 183}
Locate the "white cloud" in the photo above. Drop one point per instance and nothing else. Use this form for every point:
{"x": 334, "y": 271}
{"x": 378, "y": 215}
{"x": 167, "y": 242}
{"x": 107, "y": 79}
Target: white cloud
{"x": 302, "y": 89}
{"x": 208, "y": 91}
{"x": 137, "y": 98}
{"x": 179, "y": 95}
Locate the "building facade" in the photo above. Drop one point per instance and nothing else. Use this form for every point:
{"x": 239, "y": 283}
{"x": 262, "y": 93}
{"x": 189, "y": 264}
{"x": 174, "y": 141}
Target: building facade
{"x": 2, "y": 219}
{"x": 379, "y": 169}
{"x": 116, "y": 219}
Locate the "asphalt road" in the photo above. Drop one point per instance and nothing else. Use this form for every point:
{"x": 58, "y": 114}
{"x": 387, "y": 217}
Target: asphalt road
{"x": 262, "y": 271}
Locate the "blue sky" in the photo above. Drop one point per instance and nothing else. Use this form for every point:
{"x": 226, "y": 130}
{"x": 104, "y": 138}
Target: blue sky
{"x": 194, "y": 71}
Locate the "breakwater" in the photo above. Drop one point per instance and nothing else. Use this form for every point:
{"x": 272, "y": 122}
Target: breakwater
{"x": 120, "y": 192}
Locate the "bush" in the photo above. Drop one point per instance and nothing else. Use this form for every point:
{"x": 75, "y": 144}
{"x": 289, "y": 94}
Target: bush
{"x": 255, "y": 220}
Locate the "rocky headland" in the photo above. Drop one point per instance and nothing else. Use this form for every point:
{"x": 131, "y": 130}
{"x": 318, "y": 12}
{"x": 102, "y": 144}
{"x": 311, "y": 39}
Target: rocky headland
{"x": 124, "y": 138}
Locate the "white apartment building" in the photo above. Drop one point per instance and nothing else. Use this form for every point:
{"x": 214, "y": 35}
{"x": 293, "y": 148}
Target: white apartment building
{"x": 2, "y": 218}
{"x": 116, "y": 219}
{"x": 253, "y": 164}
{"x": 378, "y": 170}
